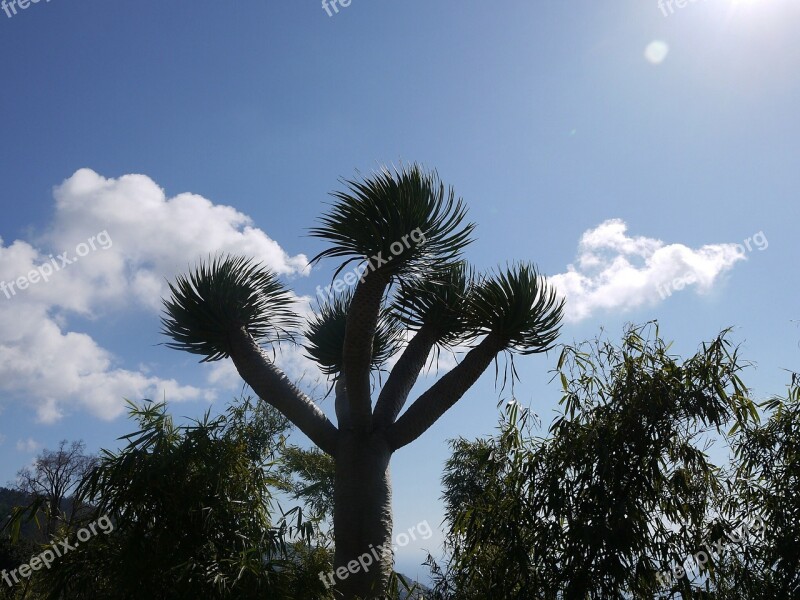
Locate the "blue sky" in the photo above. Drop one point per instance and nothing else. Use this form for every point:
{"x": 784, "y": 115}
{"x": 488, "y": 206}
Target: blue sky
{"x": 618, "y": 145}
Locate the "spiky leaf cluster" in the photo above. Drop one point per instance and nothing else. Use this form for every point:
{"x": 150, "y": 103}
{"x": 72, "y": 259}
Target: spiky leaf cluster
{"x": 386, "y": 209}
{"x": 440, "y": 302}
{"x": 221, "y": 296}
{"x": 518, "y": 306}
{"x": 326, "y": 330}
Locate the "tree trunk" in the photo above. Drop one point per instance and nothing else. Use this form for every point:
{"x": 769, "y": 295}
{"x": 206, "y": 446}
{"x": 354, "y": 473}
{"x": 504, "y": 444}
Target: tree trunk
{"x": 362, "y": 516}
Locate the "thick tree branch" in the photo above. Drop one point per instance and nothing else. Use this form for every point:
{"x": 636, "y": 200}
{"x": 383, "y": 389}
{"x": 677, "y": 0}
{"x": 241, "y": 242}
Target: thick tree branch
{"x": 362, "y": 321}
{"x": 342, "y": 404}
{"x": 272, "y": 386}
{"x": 443, "y": 394}
{"x": 404, "y": 375}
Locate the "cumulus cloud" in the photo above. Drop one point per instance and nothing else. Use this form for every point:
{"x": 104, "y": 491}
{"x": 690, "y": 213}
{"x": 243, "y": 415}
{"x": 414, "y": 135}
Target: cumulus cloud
{"x": 111, "y": 246}
{"x": 615, "y": 271}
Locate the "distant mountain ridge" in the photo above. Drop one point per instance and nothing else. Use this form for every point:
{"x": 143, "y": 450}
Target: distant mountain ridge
{"x": 421, "y": 592}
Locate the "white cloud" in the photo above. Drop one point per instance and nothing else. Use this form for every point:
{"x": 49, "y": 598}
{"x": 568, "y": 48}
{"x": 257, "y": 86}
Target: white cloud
{"x": 141, "y": 238}
{"x": 614, "y": 271}
{"x": 28, "y": 446}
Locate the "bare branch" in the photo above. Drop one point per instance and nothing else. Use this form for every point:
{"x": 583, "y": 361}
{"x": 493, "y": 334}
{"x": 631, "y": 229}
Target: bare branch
{"x": 272, "y": 386}
{"x": 443, "y": 394}
{"x": 404, "y": 375}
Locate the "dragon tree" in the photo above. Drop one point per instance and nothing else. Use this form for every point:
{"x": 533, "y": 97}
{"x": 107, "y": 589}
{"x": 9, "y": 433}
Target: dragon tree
{"x": 405, "y": 233}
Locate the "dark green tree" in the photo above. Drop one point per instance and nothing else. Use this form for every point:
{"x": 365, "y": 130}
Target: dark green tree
{"x": 619, "y": 492}
{"x": 765, "y": 485}
{"x": 193, "y": 516}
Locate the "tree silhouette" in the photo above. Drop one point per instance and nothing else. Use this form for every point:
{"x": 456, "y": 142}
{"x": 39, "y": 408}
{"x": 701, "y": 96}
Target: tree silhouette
{"x": 405, "y": 232}
{"x": 53, "y": 478}
{"x": 619, "y": 493}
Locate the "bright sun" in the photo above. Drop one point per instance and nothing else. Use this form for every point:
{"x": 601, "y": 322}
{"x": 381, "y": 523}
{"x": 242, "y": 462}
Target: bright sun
{"x": 670, "y": 7}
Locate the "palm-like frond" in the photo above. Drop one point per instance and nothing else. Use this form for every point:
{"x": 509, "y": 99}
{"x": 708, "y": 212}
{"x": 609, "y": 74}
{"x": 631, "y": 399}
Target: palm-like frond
{"x": 221, "y": 296}
{"x": 439, "y": 302}
{"x": 326, "y": 330}
{"x": 519, "y": 307}
{"x": 386, "y": 209}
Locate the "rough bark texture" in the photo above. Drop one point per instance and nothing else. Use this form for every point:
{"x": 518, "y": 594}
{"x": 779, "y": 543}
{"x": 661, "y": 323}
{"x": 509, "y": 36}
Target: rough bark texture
{"x": 362, "y": 516}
